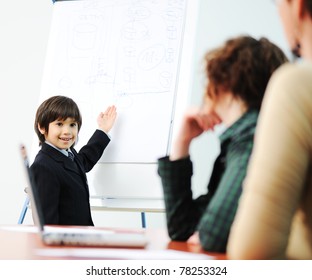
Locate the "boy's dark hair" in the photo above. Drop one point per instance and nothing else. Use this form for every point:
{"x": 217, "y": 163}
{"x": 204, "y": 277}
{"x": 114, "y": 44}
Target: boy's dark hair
{"x": 243, "y": 65}
{"x": 55, "y": 108}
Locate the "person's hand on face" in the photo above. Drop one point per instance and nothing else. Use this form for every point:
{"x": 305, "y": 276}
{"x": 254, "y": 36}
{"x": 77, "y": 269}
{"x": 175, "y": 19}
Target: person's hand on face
{"x": 195, "y": 121}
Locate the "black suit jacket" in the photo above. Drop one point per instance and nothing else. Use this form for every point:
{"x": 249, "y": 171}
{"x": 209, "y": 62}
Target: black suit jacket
{"x": 62, "y": 184}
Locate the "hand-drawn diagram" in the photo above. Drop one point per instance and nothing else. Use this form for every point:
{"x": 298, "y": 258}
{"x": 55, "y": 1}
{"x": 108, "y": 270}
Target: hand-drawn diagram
{"x": 123, "y": 52}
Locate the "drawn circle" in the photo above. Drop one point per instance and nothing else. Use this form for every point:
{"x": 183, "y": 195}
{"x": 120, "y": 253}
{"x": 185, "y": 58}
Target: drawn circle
{"x": 151, "y": 57}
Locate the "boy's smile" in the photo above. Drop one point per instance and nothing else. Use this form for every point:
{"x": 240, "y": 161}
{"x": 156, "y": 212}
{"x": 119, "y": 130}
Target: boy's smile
{"x": 62, "y": 133}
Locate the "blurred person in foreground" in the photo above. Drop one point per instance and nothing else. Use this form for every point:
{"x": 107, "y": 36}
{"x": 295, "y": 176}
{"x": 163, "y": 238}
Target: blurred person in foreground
{"x": 274, "y": 218}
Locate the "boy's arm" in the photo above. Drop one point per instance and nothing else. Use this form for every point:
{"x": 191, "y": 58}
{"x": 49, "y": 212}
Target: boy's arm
{"x": 93, "y": 150}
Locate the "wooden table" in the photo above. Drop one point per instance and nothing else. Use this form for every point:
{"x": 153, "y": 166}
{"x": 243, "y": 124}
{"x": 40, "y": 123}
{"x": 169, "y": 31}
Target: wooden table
{"x": 18, "y": 244}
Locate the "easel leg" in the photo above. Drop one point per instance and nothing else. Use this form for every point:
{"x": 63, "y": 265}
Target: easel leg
{"x": 143, "y": 219}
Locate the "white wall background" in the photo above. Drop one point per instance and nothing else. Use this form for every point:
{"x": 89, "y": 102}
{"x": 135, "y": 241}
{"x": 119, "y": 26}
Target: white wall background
{"x": 24, "y": 31}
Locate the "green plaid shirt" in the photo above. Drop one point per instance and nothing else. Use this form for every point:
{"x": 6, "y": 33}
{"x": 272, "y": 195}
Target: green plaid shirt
{"x": 211, "y": 214}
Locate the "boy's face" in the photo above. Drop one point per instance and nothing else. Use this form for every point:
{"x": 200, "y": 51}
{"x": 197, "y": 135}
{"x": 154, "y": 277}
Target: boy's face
{"x": 62, "y": 133}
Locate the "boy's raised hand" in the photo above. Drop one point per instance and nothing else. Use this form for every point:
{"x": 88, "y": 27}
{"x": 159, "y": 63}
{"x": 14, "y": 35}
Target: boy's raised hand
{"x": 107, "y": 118}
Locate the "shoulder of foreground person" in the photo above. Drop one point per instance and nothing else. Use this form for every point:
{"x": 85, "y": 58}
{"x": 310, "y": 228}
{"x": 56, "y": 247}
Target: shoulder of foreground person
{"x": 293, "y": 78}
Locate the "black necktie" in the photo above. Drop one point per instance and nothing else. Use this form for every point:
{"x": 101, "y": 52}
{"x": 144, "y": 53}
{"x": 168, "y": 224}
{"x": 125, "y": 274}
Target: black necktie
{"x": 71, "y": 155}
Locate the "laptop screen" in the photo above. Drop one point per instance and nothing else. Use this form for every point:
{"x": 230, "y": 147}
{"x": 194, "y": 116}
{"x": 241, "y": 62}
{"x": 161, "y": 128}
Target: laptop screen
{"x": 31, "y": 190}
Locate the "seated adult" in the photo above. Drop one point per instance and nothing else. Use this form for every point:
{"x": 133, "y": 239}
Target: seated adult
{"x": 237, "y": 73}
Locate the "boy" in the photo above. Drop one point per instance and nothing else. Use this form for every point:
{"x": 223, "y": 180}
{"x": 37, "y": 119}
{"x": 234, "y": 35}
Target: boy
{"x": 58, "y": 170}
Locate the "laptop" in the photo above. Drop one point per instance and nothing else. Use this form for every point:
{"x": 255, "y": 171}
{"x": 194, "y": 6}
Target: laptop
{"x": 75, "y": 236}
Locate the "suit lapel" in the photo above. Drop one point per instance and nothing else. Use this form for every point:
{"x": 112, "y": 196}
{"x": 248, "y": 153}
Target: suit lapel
{"x": 79, "y": 164}
{"x": 61, "y": 158}
{"x": 75, "y": 167}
